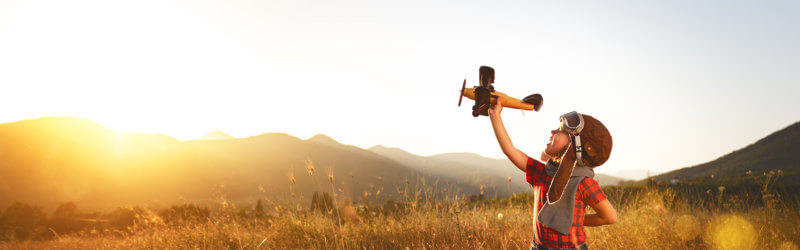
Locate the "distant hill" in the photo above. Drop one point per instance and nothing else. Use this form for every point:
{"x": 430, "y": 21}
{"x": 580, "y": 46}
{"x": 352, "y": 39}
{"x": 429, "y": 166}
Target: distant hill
{"x": 47, "y": 161}
{"x": 778, "y": 151}
{"x": 636, "y": 174}
{"x": 471, "y": 168}
{"x": 217, "y": 135}
{"x": 504, "y": 167}
{"x": 459, "y": 171}
{"x": 324, "y": 140}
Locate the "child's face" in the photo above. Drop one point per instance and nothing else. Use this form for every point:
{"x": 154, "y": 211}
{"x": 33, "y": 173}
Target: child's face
{"x": 558, "y": 142}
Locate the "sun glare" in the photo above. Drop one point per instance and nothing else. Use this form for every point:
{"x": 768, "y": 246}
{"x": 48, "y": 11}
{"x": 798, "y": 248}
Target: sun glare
{"x": 732, "y": 232}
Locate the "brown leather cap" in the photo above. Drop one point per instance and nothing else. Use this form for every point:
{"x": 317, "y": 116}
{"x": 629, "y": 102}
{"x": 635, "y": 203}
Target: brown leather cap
{"x": 596, "y": 140}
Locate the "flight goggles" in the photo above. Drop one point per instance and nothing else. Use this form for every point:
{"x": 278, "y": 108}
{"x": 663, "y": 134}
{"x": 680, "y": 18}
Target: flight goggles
{"x": 572, "y": 123}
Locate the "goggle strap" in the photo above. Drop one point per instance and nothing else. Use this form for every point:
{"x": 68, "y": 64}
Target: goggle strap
{"x": 578, "y": 150}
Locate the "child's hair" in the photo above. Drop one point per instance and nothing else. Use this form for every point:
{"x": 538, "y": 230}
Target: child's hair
{"x": 596, "y": 142}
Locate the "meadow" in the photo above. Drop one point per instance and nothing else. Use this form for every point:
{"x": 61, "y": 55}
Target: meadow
{"x": 760, "y": 213}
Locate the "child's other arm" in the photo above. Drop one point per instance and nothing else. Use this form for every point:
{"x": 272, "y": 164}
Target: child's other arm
{"x": 606, "y": 215}
{"x": 515, "y": 155}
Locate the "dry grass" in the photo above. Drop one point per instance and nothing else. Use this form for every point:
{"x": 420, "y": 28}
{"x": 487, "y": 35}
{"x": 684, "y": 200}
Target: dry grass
{"x": 656, "y": 218}
{"x": 645, "y": 222}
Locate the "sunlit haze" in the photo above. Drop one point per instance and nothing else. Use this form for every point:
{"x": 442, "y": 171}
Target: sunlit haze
{"x": 677, "y": 83}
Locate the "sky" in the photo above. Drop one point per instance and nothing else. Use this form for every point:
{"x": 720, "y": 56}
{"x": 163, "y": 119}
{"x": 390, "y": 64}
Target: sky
{"x": 677, "y": 83}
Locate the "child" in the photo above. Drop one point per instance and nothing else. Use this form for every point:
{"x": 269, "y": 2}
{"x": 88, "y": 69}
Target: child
{"x": 578, "y": 145}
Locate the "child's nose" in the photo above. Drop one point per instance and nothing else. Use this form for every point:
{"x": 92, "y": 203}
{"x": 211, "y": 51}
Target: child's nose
{"x": 554, "y": 131}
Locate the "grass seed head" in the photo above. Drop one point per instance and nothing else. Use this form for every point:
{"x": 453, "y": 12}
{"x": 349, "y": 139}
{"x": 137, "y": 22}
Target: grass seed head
{"x": 310, "y": 167}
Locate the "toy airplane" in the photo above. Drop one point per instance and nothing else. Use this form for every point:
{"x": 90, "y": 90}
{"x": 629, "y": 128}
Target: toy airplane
{"x": 484, "y": 95}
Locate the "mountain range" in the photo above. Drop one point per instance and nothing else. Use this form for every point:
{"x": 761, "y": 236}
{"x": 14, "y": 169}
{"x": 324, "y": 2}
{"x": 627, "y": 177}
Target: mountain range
{"x": 469, "y": 167}
{"x": 777, "y": 151}
{"x": 48, "y": 161}
{"x": 51, "y": 160}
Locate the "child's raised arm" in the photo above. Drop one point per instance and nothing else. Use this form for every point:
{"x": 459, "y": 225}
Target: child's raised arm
{"x": 516, "y": 156}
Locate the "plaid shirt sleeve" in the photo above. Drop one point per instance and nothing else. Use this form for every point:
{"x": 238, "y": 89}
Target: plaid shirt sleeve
{"x": 590, "y": 192}
{"x": 534, "y": 172}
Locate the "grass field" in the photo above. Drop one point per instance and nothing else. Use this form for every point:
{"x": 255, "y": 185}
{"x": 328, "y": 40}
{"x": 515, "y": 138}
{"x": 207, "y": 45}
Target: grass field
{"x": 650, "y": 217}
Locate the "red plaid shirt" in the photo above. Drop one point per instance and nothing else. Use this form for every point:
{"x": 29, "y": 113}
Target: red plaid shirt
{"x": 589, "y": 193}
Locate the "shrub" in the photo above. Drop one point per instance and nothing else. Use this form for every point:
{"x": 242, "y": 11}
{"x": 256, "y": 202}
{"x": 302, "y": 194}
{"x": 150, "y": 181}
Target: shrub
{"x": 186, "y": 213}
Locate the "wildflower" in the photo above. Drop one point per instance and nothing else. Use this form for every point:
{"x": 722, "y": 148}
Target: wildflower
{"x": 499, "y": 216}
{"x": 749, "y": 172}
{"x": 509, "y": 179}
{"x": 721, "y": 188}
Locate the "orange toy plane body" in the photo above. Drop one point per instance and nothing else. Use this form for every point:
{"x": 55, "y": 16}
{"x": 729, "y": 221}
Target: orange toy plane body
{"x": 484, "y": 95}
{"x": 506, "y": 101}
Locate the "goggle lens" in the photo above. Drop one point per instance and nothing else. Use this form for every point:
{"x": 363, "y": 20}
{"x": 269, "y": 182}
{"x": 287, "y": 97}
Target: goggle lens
{"x": 572, "y": 119}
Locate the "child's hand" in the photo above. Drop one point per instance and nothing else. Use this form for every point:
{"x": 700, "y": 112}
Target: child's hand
{"x": 496, "y": 107}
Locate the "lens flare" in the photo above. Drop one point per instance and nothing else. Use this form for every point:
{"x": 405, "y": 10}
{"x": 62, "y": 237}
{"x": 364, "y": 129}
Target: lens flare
{"x": 732, "y": 232}
{"x": 686, "y": 228}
